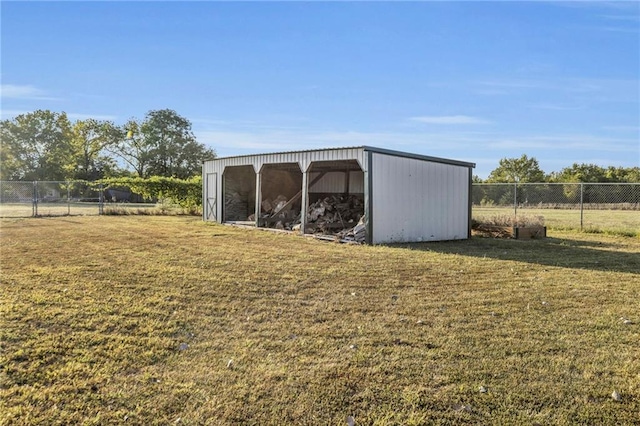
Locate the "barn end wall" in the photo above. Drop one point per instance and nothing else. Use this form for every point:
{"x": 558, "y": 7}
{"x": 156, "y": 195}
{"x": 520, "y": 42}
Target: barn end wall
{"x": 415, "y": 200}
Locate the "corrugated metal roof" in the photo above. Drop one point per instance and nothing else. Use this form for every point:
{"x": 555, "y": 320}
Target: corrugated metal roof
{"x": 418, "y": 156}
{"x": 288, "y": 152}
{"x": 287, "y": 155}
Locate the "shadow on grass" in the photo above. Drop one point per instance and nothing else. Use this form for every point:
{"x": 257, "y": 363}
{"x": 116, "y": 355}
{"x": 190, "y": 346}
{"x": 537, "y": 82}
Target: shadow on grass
{"x": 558, "y": 252}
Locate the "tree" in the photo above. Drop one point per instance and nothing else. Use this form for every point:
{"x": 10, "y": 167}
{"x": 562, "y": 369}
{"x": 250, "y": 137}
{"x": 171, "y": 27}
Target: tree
{"x": 175, "y": 151}
{"x": 591, "y": 173}
{"x": 623, "y": 174}
{"x": 518, "y": 170}
{"x": 89, "y": 143}
{"x": 162, "y": 145}
{"x": 130, "y": 147}
{"x": 580, "y": 173}
{"x": 35, "y": 146}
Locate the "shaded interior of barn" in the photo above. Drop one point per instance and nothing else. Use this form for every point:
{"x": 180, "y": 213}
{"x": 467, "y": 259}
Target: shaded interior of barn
{"x": 332, "y": 191}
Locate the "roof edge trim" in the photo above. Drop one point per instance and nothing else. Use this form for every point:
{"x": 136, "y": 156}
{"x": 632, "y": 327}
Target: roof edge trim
{"x": 383, "y": 151}
{"x": 418, "y": 156}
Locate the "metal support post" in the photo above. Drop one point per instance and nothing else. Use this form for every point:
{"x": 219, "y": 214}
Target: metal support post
{"x": 581, "y": 205}
{"x": 100, "y": 200}
{"x": 515, "y": 202}
{"x": 34, "y": 203}
{"x": 305, "y": 201}
{"x": 258, "y": 209}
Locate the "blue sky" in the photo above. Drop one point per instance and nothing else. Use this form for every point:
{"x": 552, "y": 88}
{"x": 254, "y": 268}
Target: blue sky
{"x": 473, "y": 81}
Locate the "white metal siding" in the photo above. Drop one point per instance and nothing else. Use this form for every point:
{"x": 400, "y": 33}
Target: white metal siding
{"x": 303, "y": 158}
{"x": 334, "y": 182}
{"x": 416, "y": 200}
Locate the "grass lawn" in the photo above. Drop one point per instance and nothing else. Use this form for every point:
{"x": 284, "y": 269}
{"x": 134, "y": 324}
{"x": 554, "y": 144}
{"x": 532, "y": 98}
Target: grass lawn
{"x": 62, "y": 208}
{"x": 169, "y": 320}
{"x": 622, "y": 222}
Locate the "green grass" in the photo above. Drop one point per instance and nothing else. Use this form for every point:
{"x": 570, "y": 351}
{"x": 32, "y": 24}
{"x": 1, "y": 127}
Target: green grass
{"x": 62, "y": 208}
{"x": 617, "y": 222}
{"x": 165, "y": 320}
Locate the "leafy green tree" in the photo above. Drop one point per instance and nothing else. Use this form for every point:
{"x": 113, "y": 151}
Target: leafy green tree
{"x": 592, "y": 173}
{"x": 9, "y": 160}
{"x": 623, "y": 174}
{"x": 520, "y": 170}
{"x": 162, "y": 145}
{"x": 175, "y": 151}
{"x": 35, "y": 146}
{"x": 580, "y": 173}
{"x": 90, "y": 142}
{"x": 131, "y": 148}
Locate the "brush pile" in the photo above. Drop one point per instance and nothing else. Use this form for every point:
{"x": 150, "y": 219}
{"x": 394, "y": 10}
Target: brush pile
{"x": 334, "y": 213}
{"x": 339, "y": 216}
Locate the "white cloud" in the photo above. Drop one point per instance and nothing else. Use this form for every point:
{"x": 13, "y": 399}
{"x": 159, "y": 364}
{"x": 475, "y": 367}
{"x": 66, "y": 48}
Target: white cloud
{"x": 483, "y": 148}
{"x": 100, "y": 117}
{"x": 633, "y": 18}
{"x": 503, "y": 85}
{"x": 635, "y": 129}
{"x": 239, "y": 142}
{"x": 449, "y": 119}
{"x": 16, "y": 91}
{"x": 576, "y": 143}
{"x": 598, "y": 89}
{"x": 10, "y": 113}
{"x": 612, "y": 29}
{"x": 448, "y": 144}
{"x": 556, "y": 107}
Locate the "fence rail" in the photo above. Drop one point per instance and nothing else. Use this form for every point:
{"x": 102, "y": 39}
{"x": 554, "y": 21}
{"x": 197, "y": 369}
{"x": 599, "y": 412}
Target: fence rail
{"x": 614, "y": 206}
{"x": 605, "y": 206}
{"x": 64, "y": 198}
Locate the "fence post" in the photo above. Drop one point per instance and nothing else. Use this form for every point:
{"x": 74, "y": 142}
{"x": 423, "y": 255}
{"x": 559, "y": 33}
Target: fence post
{"x": 581, "y": 204}
{"x": 34, "y": 202}
{"x": 100, "y": 200}
{"x": 515, "y": 201}
{"x": 68, "y": 198}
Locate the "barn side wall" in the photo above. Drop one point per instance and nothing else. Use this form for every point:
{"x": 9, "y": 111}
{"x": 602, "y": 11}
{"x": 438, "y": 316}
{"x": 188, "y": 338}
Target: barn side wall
{"x": 212, "y": 172}
{"x": 415, "y": 200}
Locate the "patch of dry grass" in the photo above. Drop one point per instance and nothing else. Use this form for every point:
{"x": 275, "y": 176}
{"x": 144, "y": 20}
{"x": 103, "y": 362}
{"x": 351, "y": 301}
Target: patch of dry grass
{"x": 511, "y": 220}
{"x": 615, "y": 222}
{"x": 158, "y": 320}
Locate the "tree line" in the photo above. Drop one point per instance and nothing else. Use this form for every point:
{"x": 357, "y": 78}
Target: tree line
{"x": 527, "y": 170}
{"x": 558, "y": 188}
{"x": 47, "y": 146}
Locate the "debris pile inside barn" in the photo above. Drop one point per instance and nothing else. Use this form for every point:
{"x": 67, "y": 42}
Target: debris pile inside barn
{"x": 340, "y": 216}
{"x": 236, "y": 206}
{"x": 334, "y": 213}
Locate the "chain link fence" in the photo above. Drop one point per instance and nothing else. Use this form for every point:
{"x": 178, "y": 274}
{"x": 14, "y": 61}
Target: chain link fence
{"x": 31, "y": 199}
{"x": 601, "y": 206}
